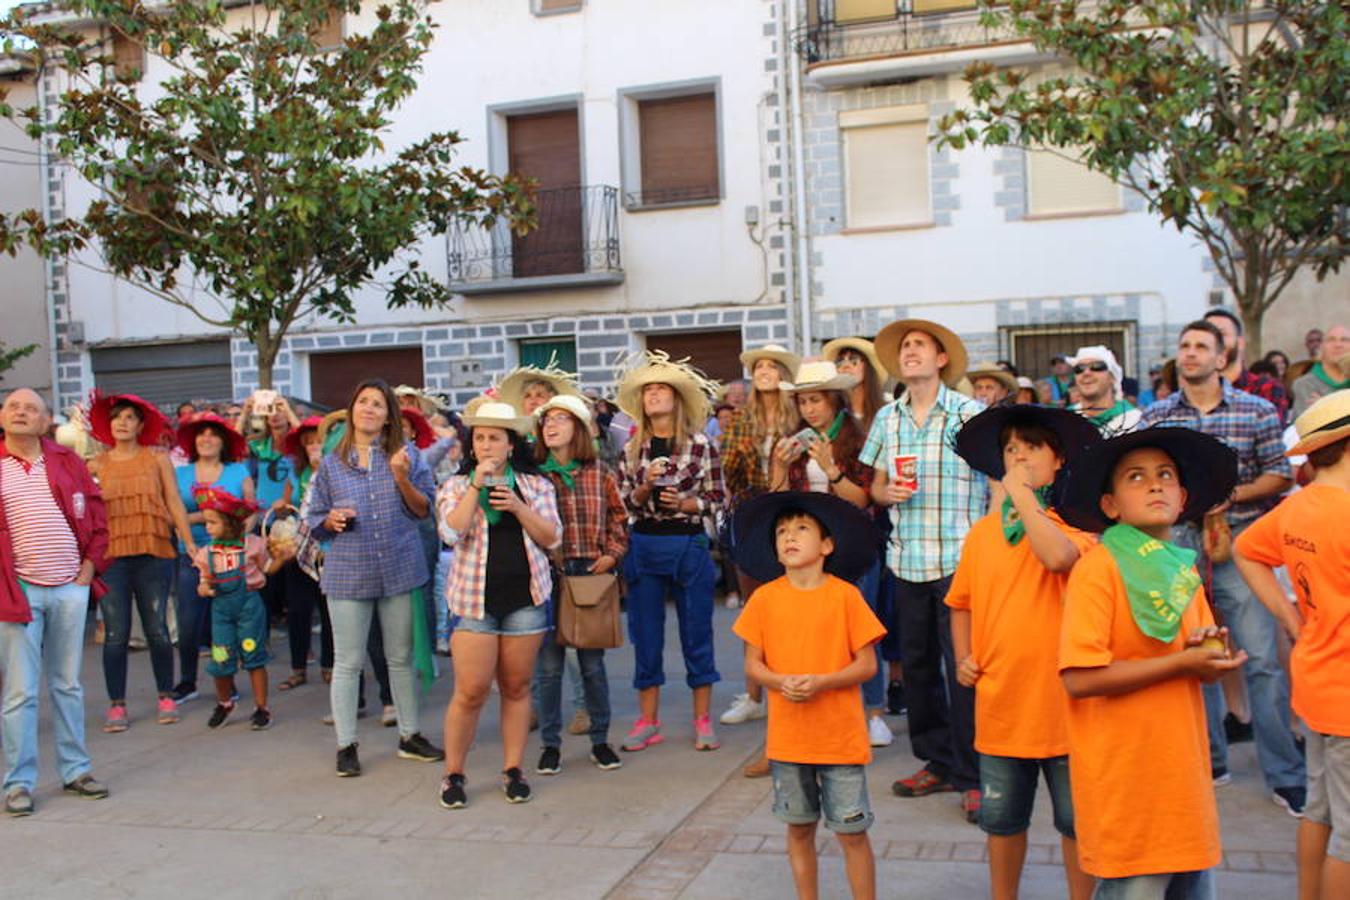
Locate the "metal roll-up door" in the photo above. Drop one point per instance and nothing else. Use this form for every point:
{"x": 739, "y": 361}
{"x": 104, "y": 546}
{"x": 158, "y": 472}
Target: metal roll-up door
{"x": 166, "y": 374}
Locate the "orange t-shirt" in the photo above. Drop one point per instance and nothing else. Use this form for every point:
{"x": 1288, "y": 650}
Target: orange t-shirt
{"x": 1143, "y": 797}
{"x": 1307, "y": 535}
{"x": 812, "y": 632}
{"x": 1015, "y": 605}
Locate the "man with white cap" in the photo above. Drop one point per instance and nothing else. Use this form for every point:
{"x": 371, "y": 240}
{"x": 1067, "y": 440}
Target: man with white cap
{"x": 1098, "y": 375}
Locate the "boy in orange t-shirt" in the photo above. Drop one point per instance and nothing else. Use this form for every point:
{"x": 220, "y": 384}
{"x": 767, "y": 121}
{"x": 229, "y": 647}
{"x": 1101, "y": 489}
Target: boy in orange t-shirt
{"x": 1307, "y": 535}
{"x": 1006, "y": 599}
{"x": 1137, "y": 642}
{"x": 809, "y": 635}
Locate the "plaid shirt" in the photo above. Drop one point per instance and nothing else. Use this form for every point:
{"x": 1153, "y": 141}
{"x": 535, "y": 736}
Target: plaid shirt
{"x": 699, "y": 469}
{"x": 1248, "y": 424}
{"x": 743, "y": 460}
{"x": 1267, "y": 388}
{"x": 928, "y": 529}
{"x": 467, "y": 583}
{"x": 381, "y": 554}
{"x": 594, "y": 519}
{"x": 853, "y": 469}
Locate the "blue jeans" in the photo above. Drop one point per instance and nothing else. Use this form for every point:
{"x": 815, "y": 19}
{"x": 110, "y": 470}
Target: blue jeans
{"x": 194, "y": 620}
{"x": 53, "y": 643}
{"x": 874, "y": 688}
{"x": 1172, "y": 886}
{"x": 802, "y": 792}
{"x": 140, "y": 578}
{"x": 679, "y": 565}
{"x": 438, "y": 580}
{"x": 548, "y": 674}
{"x": 1008, "y": 793}
{"x": 1253, "y": 629}
{"x": 351, "y": 630}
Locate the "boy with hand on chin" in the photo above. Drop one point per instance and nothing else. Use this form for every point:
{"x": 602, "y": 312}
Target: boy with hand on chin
{"x": 1137, "y": 642}
{"x": 809, "y": 635}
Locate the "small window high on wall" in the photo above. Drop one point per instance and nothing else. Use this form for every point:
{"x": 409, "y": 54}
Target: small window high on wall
{"x": 1059, "y": 185}
{"x": 886, "y": 167}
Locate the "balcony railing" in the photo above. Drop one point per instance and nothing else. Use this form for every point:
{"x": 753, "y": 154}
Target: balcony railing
{"x": 576, "y": 242}
{"x": 862, "y": 29}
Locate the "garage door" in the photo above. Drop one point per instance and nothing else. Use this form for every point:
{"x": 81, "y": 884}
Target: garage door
{"x": 333, "y": 376}
{"x": 716, "y": 353}
{"x": 166, "y": 374}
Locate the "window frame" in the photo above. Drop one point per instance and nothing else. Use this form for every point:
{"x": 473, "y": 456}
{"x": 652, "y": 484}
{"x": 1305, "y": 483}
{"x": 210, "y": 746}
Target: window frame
{"x": 1032, "y": 215}
{"x": 630, "y": 140}
{"x": 538, "y": 8}
{"x": 909, "y": 114}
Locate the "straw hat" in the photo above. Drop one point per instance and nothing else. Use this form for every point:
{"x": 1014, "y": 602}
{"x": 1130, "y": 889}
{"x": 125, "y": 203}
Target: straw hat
{"x": 819, "y": 375}
{"x": 153, "y": 422}
{"x": 835, "y": 348}
{"x": 511, "y": 389}
{"x": 331, "y": 428}
{"x": 578, "y": 407}
{"x": 990, "y": 370}
{"x": 656, "y": 367}
{"x": 1296, "y": 371}
{"x": 1325, "y": 422}
{"x": 888, "y": 347}
{"x": 425, "y": 403}
{"x": 496, "y": 414}
{"x": 776, "y": 352}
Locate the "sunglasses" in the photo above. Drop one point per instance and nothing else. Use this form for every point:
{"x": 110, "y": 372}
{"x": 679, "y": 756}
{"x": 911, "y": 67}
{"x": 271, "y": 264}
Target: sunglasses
{"x": 1089, "y": 367}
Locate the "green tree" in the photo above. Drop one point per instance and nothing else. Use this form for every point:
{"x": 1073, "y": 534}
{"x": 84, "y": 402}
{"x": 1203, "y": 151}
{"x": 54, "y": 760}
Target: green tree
{"x": 1228, "y": 118}
{"x": 251, "y": 183}
{"x": 9, "y": 357}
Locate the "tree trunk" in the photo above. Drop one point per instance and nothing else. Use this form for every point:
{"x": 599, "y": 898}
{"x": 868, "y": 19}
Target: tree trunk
{"x": 267, "y": 347}
{"x": 1251, "y": 326}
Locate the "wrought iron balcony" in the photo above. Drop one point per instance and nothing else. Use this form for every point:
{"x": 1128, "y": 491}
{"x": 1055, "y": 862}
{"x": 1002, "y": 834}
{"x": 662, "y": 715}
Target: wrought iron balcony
{"x": 839, "y": 30}
{"x": 575, "y": 244}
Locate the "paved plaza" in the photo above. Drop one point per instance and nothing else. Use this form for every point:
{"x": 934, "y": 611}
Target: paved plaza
{"x": 196, "y": 813}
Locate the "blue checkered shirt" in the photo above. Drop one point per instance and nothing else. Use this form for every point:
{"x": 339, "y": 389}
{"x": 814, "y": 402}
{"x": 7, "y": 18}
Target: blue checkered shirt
{"x": 381, "y": 554}
{"x": 927, "y": 530}
{"x": 1245, "y": 422}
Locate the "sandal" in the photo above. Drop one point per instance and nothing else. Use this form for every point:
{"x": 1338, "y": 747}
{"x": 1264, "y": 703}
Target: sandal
{"x": 327, "y": 676}
{"x": 297, "y": 678}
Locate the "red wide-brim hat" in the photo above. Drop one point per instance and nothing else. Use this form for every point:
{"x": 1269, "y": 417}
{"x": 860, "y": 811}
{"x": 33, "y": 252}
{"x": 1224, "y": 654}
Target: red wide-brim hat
{"x": 100, "y": 424}
{"x": 423, "y": 434}
{"x": 209, "y": 496}
{"x": 187, "y": 435}
{"x": 292, "y": 446}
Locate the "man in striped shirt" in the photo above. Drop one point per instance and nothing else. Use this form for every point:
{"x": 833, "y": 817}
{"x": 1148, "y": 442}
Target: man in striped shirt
{"x": 53, "y": 534}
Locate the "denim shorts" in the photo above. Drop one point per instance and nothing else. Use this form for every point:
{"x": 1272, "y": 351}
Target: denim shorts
{"x": 526, "y": 620}
{"x": 801, "y": 791}
{"x": 1329, "y": 790}
{"x": 1008, "y": 793}
{"x": 1169, "y": 886}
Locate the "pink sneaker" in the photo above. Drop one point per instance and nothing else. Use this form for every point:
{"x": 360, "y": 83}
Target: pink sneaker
{"x": 168, "y": 711}
{"x": 116, "y": 720}
{"x": 644, "y": 734}
{"x": 704, "y": 736}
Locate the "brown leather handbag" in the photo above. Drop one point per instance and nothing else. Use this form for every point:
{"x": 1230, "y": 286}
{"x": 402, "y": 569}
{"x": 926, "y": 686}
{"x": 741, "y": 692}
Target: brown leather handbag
{"x": 588, "y": 611}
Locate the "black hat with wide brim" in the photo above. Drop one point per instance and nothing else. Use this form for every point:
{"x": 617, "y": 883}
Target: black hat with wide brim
{"x": 1208, "y": 469}
{"x": 978, "y": 442}
{"x": 756, "y": 551}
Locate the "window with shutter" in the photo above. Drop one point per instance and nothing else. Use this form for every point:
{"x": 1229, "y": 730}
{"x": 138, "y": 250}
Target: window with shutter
{"x": 846, "y": 11}
{"x": 924, "y": 7}
{"x": 886, "y": 167}
{"x": 552, "y": 6}
{"x": 128, "y": 58}
{"x": 328, "y": 34}
{"x": 1058, "y": 185}
{"x": 678, "y": 149}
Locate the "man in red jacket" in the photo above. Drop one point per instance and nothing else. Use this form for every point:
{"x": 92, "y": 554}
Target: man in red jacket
{"x": 53, "y": 534}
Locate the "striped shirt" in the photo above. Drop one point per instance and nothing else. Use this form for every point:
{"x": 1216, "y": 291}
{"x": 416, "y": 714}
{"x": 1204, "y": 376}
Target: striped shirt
{"x": 929, "y": 528}
{"x": 46, "y": 553}
{"x": 466, "y": 586}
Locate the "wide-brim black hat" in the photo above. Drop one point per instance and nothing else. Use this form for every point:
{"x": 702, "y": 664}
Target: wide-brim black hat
{"x": 1207, "y": 465}
{"x": 756, "y": 551}
{"x": 978, "y": 440}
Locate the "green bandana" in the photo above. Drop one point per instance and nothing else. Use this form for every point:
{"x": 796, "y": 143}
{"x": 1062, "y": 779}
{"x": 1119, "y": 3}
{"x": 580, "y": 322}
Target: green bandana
{"x": 566, "y": 472}
{"x": 494, "y": 516}
{"x": 423, "y": 664}
{"x": 1160, "y": 579}
{"x": 1014, "y": 529}
{"x": 305, "y": 478}
{"x": 833, "y": 431}
{"x": 1120, "y": 408}
{"x": 1321, "y": 373}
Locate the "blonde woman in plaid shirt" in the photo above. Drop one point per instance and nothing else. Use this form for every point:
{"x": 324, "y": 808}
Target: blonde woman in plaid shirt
{"x": 670, "y": 478}
{"x": 501, "y": 518}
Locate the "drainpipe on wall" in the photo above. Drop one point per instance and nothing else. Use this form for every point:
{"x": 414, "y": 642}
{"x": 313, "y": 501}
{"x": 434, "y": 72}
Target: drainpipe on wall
{"x": 788, "y": 132}
{"x": 800, "y": 218}
{"x": 44, "y": 176}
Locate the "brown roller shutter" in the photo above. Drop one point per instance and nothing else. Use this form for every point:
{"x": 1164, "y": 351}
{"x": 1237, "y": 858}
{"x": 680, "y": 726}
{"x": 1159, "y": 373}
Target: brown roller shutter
{"x": 547, "y": 148}
{"x": 716, "y": 353}
{"x": 679, "y": 149}
{"x": 333, "y": 376}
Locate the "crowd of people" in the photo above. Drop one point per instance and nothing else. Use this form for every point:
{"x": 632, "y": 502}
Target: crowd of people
{"x": 1066, "y": 577}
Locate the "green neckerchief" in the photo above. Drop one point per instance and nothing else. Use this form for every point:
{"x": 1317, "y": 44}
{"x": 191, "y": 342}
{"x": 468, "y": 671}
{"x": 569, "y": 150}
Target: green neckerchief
{"x": 1160, "y": 579}
{"x": 832, "y": 431}
{"x": 305, "y": 478}
{"x": 423, "y": 663}
{"x": 566, "y": 472}
{"x": 1119, "y": 409}
{"x": 262, "y": 448}
{"x": 494, "y": 516}
{"x": 1321, "y": 373}
{"x": 1014, "y": 529}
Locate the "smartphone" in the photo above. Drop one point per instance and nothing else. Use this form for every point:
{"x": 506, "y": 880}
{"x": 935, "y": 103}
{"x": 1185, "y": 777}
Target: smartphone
{"x": 806, "y": 437}
{"x": 492, "y": 481}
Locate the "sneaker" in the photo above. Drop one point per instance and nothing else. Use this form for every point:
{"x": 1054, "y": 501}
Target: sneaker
{"x": 261, "y": 720}
{"x": 704, "y": 736}
{"x": 115, "y": 722}
{"x": 219, "y": 715}
{"x": 760, "y": 768}
{"x": 1292, "y": 799}
{"x": 878, "y": 732}
{"x": 970, "y": 805}
{"x": 327, "y": 718}
{"x": 604, "y": 757}
{"x": 452, "y": 792}
{"x": 1221, "y": 776}
{"x": 743, "y": 709}
{"x": 184, "y": 691}
{"x": 348, "y": 763}
{"x": 733, "y": 600}
{"x": 514, "y": 785}
{"x": 389, "y": 716}
{"x": 895, "y": 698}
{"x": 419, "y": 748}
{"x": 19, "y": 802}
{"x": 643, "y": 735}
{"x": 1236, "y": 730}
{"x": 442, "y": 647}
{"x": 921, "y": 784}
{"x": 87, "y": 787}
{"x": 168, "y": 711}
{"x": 580, "y": 724}
{"x": 550, "y": 762}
